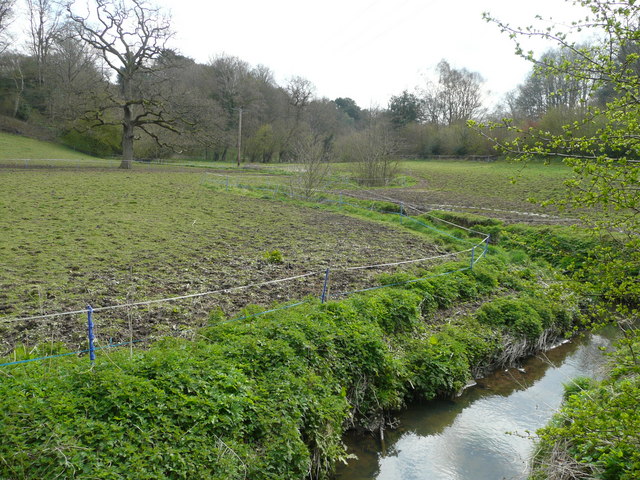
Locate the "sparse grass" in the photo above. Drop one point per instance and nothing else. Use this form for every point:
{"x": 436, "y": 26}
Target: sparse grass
{"x": 486, "y": 185}
{"x": 498, "y": 184}
{"x": 74, "y": 237}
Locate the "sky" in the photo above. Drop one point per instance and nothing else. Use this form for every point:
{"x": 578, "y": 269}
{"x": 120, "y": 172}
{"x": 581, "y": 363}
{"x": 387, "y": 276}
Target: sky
{"x": 368, "y": 50}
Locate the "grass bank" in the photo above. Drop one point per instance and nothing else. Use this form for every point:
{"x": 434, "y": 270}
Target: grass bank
{"x": 17, "y": 147}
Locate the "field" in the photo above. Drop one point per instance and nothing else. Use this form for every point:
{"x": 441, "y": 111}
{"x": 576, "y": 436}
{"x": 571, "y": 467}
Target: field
{"x": 263, "y": 390}
{"x": 78, "y": 231}
{"x": 497, "y": 189}
{"x": 501, "y": 189}
{"x": 103, "y": 237}
{"x": 15, "y": 147}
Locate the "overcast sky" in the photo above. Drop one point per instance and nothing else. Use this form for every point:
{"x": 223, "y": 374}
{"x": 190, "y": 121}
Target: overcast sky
{"x": 368, "y": 50}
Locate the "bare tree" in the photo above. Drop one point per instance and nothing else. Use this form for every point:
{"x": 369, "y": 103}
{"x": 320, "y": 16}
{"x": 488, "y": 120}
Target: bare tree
{"x": 12, "y": 69}
{"x": 543, "y": 91}
{"x": 44, "y": 25}
{"x": 130, "y": 36}
{"x": 313, "y": 153}
{"x": 456, "y": 97}
{"x": 299, "y": 92}
{"x": 72, "y": 75}
{"x": 373, "y": 152}
{"x": 6, "y": 16}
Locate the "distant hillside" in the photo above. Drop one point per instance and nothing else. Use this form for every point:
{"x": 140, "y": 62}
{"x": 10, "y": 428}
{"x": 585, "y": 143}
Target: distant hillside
{"x": 19, "y": 147}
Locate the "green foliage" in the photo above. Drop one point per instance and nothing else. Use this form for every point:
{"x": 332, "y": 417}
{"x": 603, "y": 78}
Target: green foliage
{"x": 100, "y": 142}
{"x": 578, "y": 385}
{"x": 526, "y": 316}
{"x": 437, "y": 367}
{"x": 597, "y": 428}
{"x": 601, "y": 147}
{"x": 395, "y": 311}
{"x": 404, "y": 109}
{"x": 273, "y": 256}
{"x": 598, "y": 425}
{"x": 264, "y": 146}
{"x": 263, "y": 398}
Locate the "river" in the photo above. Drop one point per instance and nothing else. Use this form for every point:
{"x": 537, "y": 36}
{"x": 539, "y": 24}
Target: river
{"x": 484, "y": 433}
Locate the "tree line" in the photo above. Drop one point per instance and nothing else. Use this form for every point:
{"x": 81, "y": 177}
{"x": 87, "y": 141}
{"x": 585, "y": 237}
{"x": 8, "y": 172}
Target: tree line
{"x": 105, "y": 80}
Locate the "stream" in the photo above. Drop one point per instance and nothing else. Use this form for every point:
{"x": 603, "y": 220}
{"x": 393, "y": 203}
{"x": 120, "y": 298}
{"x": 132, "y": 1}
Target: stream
{"x": 484, "y": 433}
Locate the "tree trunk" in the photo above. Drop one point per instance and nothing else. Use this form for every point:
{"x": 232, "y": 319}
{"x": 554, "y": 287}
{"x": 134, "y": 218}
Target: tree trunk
{"x": 127, "y": 139}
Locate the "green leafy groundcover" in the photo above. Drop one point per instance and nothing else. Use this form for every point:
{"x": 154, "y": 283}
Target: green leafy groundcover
{"x": 268, "y": 397}
{"x": 596, "y": 432}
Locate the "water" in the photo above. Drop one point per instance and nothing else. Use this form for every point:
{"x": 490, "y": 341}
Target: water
{"x": 484, "y": 433}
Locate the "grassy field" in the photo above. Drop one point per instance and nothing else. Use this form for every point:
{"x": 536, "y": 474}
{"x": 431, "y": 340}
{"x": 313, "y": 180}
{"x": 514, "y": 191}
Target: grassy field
{"x": 16, "y": 147}
{"x": 500, "y": 182}
{"x": 72, "y": 235}
{"x": 500, "y": 188}
{"x": 102, "y": 237}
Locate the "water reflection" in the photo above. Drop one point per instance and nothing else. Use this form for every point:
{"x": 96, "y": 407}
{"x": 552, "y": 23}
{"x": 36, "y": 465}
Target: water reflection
{"x": 483, "y": 434}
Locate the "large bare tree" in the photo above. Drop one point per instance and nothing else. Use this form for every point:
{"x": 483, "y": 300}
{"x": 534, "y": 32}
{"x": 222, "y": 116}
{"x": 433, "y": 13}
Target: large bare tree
{"x": 456, "y": 97}
{"x": 131, "y": 36}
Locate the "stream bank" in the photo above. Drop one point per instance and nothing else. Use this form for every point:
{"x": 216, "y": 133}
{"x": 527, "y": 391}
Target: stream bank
{"x": 483, "y": 433}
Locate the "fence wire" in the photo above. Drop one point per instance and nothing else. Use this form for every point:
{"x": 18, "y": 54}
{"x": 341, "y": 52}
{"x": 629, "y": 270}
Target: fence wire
{"x": 322, "y": 196}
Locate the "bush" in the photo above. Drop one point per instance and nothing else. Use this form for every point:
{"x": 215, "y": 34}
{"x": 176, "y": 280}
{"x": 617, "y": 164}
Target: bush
{"x": 438, "y": 368}
{"x": 394, "y": 310}
{"x": 101, "y": 142}
{"x": 514, "y": 314}
{"x": 599, "y": 427}
{"x": 273, "y": 256}
{"x": 577, "y": 385}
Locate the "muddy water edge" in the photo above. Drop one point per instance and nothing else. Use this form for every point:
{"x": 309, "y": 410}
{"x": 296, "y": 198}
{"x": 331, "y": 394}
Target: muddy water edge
{"x": 485, "y": 433}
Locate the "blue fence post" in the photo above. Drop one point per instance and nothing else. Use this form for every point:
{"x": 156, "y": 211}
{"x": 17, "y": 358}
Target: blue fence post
{"x": 486, "y": 244}
{"x": 401, "y": 208}
{"x": 92, "y": 350}
{"x": 473, "y": 256}
{"x": 325, "y": 286}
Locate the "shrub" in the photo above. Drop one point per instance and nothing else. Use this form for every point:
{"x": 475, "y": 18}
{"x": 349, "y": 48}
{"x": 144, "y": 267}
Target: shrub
{"x": 599, "y": 427}
{"x": 102, "y": 142}
{"x": 577, "y": 386}
{"x": 515, "y": 314}
{"x": 394, "y": 310}
{"x": 438, "y": 368}
{"x": 273, "y": 256}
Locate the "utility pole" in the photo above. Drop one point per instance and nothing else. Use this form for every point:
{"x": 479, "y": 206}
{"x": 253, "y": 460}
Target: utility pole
{"x": 239, "y": 135}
